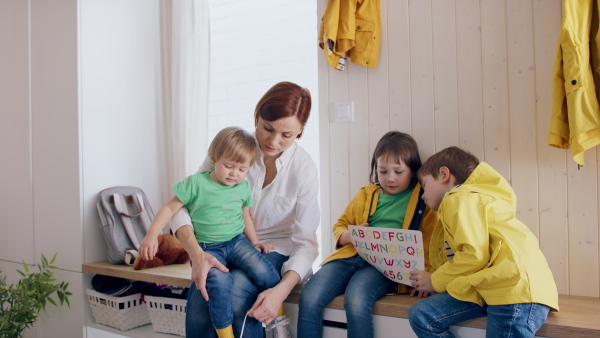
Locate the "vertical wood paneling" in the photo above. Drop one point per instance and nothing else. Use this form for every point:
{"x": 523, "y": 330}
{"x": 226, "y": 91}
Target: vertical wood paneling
{"x": 338, "y": 159}
{"x": 468, "y": 53}
{"x": 495, "y": 86}
{"x": 583, "y": 226}
{"x": 478, "y": 74}
{"x": 522, "y": 110}
{"x": 399, "y": 65}
{"x": 421, "y": 75}
{"x": 379, "y": 96}
{"x": 326, "y": 145}
{"x": 444, "y": 73}
{"x": 359, "y": 155}
{"x": 551, "y": 162}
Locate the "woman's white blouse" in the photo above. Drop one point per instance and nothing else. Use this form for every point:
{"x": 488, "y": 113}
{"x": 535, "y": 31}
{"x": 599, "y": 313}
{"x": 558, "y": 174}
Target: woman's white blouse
{"x": 286, "y": 213}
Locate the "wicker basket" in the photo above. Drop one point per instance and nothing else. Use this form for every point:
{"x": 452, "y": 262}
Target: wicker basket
{"x": 123, "y": 313}
{"x": 167, "y": 314}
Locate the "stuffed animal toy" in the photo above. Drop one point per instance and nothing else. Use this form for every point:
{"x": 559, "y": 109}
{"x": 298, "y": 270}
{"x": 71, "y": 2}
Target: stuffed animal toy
{"x": 170, "y": 251}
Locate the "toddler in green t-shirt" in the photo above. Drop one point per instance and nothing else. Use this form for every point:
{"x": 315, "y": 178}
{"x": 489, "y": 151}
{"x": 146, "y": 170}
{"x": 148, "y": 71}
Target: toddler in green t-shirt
{"x": 218, "y": 202}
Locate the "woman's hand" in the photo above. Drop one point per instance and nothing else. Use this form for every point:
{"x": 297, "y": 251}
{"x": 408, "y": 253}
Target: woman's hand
{"x": 269, "y": 302}
{"x": 200, "y": 267}
{"x": 267, "y": 305}
{"x": 266, "y": 248}
{"x": 148, "y": 247}
{"x": 421, "y": 281}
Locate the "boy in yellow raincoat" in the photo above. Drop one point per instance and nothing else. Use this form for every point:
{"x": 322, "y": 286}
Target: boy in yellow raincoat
{"x": 485, "y": 261}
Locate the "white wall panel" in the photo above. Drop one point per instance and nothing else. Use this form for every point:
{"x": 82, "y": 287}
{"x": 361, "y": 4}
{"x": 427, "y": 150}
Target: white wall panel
{"x": 377, "y": 84}
{"x": 399, "y": 64}
{"x": 468, "y": 54}
{"x": 120, "y": 110}
{"x": 338, "y": 160}
{"x": 495, "y": 86}
{"x": 359, "y": 154}
{"x": 521, "y": 93}
{"x": 55, "y": 132}
{"x": 551, "y": 162}
{"x": 421, "y": 75}
{"x": 323, "y": 103}
{"x": 582, "y": 194}
{"x": 16, "y": 197}
{"x": 443, "y": 21}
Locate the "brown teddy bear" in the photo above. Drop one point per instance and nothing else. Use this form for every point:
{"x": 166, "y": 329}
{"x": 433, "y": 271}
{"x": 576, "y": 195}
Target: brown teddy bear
{"x": 170, "y": 251}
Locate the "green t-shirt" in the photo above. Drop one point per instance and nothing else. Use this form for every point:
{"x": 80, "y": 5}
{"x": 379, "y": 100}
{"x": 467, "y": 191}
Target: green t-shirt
{"x": 391, "y": 210}
{"x": 215, "y": 209}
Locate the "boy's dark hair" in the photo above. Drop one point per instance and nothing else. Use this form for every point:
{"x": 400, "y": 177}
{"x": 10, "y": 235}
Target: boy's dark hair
{"x": 461, "y": 164}
{"x": 400, "y": 147}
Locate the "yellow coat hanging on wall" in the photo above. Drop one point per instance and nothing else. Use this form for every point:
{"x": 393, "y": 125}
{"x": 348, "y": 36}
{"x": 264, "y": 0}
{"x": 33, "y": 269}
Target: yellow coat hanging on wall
{"x": 575, "y": 114}
{"x": 351, "y": 29}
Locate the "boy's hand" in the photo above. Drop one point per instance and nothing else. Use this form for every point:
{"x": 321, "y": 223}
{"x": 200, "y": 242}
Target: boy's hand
{"x": 266, "y": 248}
{"x": 420, "y": 294}
{"x": 148, "y": 247}
{"x": 421, "y": 281}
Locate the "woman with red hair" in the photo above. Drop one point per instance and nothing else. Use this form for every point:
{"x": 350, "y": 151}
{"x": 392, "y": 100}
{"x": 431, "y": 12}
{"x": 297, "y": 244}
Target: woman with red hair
{"x": 285, "y": 186}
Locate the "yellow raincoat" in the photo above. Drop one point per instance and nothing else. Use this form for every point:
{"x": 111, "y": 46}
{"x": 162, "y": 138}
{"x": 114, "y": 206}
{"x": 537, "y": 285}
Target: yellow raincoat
{"x": 357, "y": 213}
{"x": 575, "y": 114}
{"x": 351, "y": 28}
{"x": 497, "y": 259}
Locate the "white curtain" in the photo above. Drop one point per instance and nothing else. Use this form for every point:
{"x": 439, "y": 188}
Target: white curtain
{"x": 185, "y": 60}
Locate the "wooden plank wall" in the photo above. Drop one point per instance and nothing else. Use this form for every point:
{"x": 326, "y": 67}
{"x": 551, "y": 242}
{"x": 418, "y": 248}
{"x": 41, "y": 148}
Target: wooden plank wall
{"x": 476, "y": 74}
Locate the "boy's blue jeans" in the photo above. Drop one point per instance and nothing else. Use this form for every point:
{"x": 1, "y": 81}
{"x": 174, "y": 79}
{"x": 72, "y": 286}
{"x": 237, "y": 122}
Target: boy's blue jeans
{"x": 197, "y": 320}
{"x": 433, "y": 316}
{"x": 362, "y": 285}
{"x": 219, "y": 285}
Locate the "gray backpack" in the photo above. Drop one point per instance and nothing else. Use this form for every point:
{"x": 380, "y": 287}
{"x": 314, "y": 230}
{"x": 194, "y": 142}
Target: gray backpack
{"x": 125, "y": 214}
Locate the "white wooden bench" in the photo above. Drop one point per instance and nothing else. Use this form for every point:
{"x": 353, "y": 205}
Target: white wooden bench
{"x": 578, "y": 316}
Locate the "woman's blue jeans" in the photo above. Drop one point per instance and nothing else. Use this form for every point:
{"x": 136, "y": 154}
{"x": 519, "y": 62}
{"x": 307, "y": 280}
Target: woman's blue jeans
{"x": 361, "y": 284}
{"x": 244, "y": 292}
{"x": 433, "y": 316}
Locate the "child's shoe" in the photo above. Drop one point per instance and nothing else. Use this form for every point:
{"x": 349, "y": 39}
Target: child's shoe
{"x": 280, "y": 327}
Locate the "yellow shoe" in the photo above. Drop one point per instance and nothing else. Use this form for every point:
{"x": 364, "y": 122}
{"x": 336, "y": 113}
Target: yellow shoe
{"x": 226, "y": 332}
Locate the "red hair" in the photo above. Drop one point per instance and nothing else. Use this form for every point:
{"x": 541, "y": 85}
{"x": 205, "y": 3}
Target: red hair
{"x": 283, "y": 100}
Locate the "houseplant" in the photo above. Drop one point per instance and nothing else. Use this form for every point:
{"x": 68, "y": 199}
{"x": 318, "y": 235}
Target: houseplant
{"x": 21, "y": 303}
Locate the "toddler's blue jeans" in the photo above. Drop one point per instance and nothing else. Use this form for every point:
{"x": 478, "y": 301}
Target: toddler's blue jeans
{"x": 240, "y": 253}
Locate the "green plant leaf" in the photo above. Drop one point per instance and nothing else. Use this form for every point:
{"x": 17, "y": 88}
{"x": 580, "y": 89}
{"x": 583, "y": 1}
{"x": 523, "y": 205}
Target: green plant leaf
{"x": 53, "y": 258}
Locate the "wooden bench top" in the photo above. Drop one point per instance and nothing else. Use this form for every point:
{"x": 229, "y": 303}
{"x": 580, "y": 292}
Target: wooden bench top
{"x": 175, "y": 274}
{"x": 578, "y": 316}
